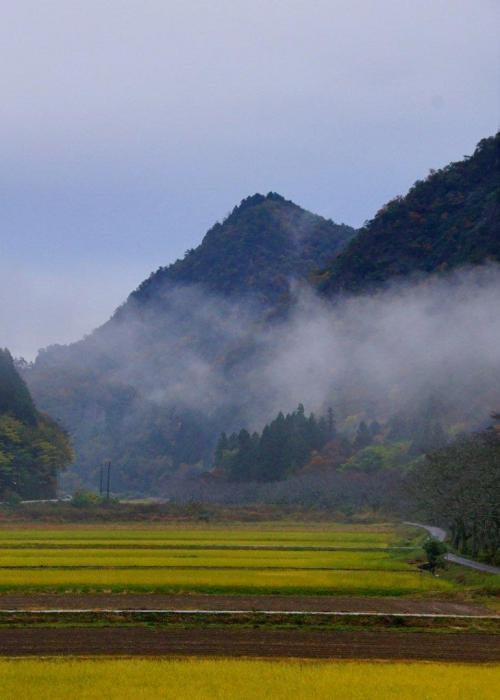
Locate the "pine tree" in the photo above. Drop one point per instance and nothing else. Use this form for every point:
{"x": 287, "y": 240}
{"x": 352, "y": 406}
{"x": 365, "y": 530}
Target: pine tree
{"x": 363, "y": 436}
{"x": 331, "y": 424}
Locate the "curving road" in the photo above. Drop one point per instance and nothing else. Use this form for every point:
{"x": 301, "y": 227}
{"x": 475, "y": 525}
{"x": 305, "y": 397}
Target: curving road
{"x": 440, "y": 535}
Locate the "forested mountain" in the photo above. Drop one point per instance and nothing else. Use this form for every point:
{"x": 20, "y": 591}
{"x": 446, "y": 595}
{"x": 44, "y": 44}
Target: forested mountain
{"x": 33, "y": 448}
{"x": 153, "y": 387}
{"x": 449, "y": 220}
{"x": 217, "y": 341}
{"x": 264, "y": 244}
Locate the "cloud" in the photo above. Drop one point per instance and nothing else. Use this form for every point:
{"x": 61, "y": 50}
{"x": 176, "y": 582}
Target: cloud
{"x": 129, "y": 128}
{"x": 368, "y": 355}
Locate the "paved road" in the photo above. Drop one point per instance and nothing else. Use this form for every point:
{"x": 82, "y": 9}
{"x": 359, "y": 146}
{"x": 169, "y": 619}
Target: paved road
{"x": 440, "y": 535}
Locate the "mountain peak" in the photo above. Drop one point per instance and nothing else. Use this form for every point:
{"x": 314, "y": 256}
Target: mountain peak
{"x": 258, "y": 198}
{"x": 258, "y": 248}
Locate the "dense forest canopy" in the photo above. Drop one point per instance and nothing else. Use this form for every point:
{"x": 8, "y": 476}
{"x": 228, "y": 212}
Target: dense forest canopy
{"x": 264, "y": 244}
{"x": 459, "y": 486}
{"x": 449, "y": 220}
{"x": 283, "y": 447}
{"x": 33, "y": 448}
{"x": 298, "y": 443}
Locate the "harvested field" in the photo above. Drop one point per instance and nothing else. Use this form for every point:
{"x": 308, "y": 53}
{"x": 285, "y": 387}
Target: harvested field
{"x": 158, "y": 601}
{"x": 145, "y": 641}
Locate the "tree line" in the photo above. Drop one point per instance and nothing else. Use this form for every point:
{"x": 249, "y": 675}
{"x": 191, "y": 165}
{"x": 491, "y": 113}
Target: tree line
{"x": 283, "y": 447}
{"x": 33, "y": 447}
{"x": 459, "y": 486}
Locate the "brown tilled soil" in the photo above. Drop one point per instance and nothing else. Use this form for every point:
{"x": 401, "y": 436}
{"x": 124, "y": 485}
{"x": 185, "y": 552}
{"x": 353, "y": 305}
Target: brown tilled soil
{"x": 248, "y": 642}
{"x": 131, "y": 601}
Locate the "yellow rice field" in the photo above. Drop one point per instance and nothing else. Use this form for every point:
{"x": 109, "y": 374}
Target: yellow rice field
{"x": 272, "y": 558}
{"x": 226, "y": 581}
{"x": 203, "y": 558}
{"x": 274, "y": 534}
{"x": 227, "y": 679}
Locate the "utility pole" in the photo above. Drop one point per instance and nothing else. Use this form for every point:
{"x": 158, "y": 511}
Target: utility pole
{"x": 108, "y": 479}
{"x": 101, "y": 479}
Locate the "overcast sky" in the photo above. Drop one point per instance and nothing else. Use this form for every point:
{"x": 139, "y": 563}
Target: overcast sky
{"x": 128, "y": 128}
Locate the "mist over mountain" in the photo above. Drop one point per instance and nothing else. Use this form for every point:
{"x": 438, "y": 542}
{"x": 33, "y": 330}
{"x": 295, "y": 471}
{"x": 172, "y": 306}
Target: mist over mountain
{"x": 152, "y": 387}
{"x": 236, "y": 332}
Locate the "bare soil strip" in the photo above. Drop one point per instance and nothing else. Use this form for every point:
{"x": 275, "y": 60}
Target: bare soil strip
{"x": 157, "y": 601}
{"x": 248, "y": 642}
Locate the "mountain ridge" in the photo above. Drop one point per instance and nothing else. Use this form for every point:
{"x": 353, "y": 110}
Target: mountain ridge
{"x": 263, "y": 243}
{"x": 449, "y": 220}
{"x": 185, "y": 356}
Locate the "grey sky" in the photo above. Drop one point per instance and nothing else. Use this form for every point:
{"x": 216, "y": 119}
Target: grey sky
{"x": 128, "y": 128}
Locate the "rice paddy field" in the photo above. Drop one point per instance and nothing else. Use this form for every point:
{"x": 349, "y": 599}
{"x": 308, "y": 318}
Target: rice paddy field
{"x": 201, "y": 679}
{"x": 271, "y": 558}
{"x": 64, "y": 633}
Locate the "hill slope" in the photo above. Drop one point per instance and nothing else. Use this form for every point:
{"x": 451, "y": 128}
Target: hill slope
{"x": 264, "y": 243}
{"x": 152, "y": 388}
{"x": 195, "y": 349}
{"x": 449, "y": 220}
{"x": 32, "y": 447}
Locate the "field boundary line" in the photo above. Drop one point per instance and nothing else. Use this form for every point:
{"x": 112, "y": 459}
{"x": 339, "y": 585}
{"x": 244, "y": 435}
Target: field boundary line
{"x": 211, "y": 547}
{"x": 144, "y": 611}
{"x": 195, "y": 567}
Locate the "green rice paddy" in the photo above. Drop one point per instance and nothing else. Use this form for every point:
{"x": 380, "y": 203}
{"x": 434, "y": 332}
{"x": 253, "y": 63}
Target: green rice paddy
{"x": 273, "y": 558}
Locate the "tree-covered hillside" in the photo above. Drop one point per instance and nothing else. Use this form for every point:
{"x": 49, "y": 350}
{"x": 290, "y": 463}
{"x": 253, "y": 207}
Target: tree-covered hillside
{"x": 151, "y": 388}
{"x": 264, "y": 243}
{"x": 449, "y": 220}
{"x": 33, "y": 448}
{"x": 216, "y": 341}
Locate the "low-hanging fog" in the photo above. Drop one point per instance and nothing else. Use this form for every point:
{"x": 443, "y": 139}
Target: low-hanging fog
{"x": 230, "y": 364}
{"x": 366, "y": 354}
{"x": 381, "y": 354}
